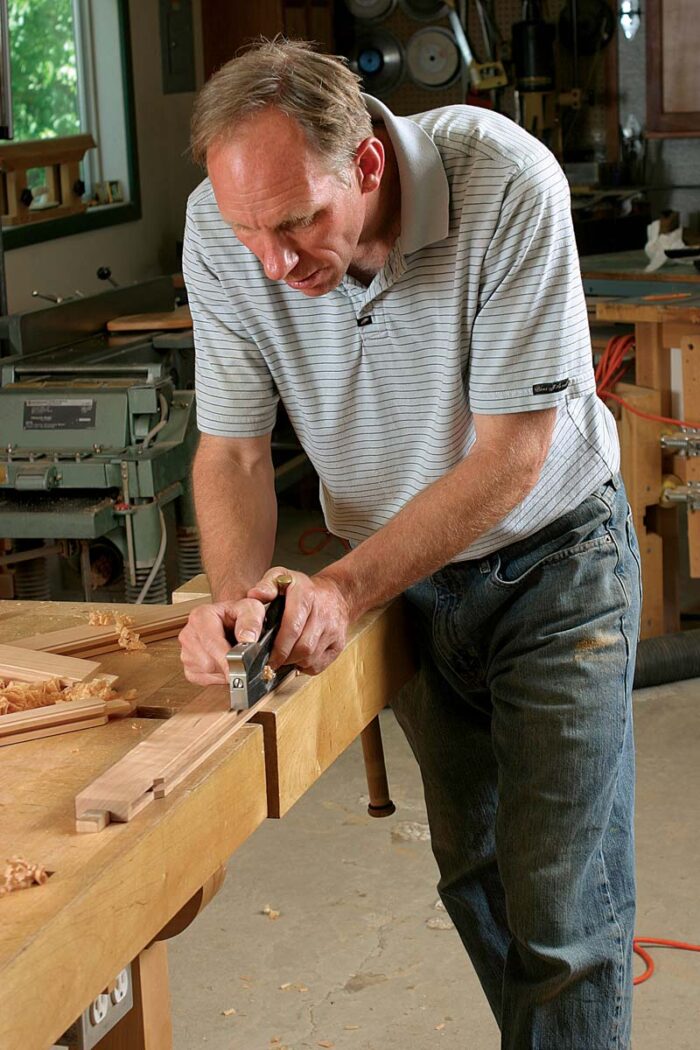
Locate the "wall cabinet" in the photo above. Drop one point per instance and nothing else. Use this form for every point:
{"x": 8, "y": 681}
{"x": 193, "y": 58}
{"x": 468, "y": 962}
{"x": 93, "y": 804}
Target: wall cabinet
{"x": 673, "y": 69}
{"x": 227, "y": 25}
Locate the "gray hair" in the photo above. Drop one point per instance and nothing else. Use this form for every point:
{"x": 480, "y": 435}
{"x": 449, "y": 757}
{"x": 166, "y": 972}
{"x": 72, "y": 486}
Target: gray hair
{"x": 319, "y": 91}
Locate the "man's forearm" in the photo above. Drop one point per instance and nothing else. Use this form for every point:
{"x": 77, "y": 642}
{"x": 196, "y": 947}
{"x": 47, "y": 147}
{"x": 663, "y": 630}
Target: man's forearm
{"x": 439, "y": 523}
{"x": 237, "y": 517}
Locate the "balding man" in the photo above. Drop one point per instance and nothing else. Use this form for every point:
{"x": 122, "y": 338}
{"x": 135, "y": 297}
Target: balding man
{"x": 409, "y": 289}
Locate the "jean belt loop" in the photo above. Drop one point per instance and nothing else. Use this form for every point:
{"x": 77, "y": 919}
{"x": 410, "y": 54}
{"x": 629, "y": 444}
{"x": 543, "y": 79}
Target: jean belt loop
{"x": 485, "y": 566}
{"x": 616, "y": 481}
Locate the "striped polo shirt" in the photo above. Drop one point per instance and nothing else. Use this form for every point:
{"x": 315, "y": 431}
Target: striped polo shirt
{"x": 478, "y": 309}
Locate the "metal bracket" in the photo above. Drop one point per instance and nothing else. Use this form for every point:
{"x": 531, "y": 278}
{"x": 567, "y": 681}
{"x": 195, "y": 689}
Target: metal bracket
{"x": 682, "y": 442}
{"x": 688, "y": 493}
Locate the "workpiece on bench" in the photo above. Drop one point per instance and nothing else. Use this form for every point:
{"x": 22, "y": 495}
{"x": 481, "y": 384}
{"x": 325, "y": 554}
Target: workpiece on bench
{"x": 171, "y": 320}
{"x": 156, "y": 765}
{"x": 21, "y": 664}
{"x": 158, "y": 623}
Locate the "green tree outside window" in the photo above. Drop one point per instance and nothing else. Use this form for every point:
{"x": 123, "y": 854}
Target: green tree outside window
{"x": 45, "y": 101}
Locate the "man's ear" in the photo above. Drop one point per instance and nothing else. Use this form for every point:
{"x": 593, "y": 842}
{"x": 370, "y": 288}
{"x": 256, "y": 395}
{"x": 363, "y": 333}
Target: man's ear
{"x": 369, "y": 159}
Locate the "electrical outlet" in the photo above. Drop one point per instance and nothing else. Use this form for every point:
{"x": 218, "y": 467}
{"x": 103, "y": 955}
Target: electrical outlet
{"x": 101, "y": 1016}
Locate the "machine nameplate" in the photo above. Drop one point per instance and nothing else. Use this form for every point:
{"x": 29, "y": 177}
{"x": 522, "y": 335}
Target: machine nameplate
{"x": 60, "y": 413}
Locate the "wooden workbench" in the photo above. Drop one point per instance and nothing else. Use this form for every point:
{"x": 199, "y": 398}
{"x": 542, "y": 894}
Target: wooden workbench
{"x": 662, "y": 322}
{"x": 624, "y": 273}
{"x": 111, "y": 894}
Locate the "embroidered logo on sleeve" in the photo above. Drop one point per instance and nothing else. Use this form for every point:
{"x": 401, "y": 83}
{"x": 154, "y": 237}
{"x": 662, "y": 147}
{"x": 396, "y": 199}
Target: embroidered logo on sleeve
{"x": 550, "y": 388}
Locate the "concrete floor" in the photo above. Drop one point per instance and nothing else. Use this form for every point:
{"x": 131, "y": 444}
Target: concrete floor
{"x": 360, "y": 957}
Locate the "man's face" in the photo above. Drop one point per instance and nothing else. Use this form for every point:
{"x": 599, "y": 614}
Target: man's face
{"x": 301, "y": 221}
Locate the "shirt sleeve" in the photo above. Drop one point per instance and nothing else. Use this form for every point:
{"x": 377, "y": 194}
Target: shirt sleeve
{"x": 236, "y": 395}
{"x": 530, "y": 344}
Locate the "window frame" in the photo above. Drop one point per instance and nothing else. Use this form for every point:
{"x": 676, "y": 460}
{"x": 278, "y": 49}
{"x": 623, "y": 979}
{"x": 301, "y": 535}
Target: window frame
{"x": 111, "y": 215}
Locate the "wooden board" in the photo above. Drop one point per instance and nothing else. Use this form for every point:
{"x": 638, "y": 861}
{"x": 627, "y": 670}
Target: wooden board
{"x": 308, "y": 722}
{"x": 63, "y": 717}
{"x": 37, "y": 732}
{"x": 688, "y": 468}
{"x": 161, "y": 621}
{"x": 172, "y": 320}
{"x": 37, "y": 153}
{"x": 685, "y": 310}
{"x": 157, "y": 765}
{"x": 197, "y": 587}
{"x": 19, "y": 663}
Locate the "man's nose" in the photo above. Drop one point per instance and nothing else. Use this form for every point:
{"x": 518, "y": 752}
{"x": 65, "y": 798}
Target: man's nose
{"x": 278, "y": 260}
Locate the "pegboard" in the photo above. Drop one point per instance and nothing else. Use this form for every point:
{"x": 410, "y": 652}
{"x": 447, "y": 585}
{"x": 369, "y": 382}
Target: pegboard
{"x": 589, "y": 132}
{"x": 409, "y": 97}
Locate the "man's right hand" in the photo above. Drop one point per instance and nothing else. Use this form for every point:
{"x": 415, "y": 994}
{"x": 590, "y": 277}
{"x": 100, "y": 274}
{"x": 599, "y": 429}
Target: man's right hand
{"x": 207, "y": 637}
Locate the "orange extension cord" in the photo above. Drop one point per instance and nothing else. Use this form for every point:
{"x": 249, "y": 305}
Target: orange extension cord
{"x": 611, "y": 368}
{"x": 326, "y": 538}
{"x": 639, "y": 941}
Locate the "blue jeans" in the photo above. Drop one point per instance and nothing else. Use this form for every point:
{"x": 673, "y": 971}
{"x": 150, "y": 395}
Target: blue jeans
{"x": 521, "y": 721}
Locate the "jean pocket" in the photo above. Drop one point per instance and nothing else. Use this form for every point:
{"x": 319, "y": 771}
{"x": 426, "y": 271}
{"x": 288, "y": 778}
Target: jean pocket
{"x": 510, "y": 573}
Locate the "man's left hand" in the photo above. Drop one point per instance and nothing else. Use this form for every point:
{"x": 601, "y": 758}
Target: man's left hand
{"x": 315, "y": 623}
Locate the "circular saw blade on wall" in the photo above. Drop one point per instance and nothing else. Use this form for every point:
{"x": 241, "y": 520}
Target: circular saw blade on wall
{"x": 425, "y": 10}
{"x": 432, "y": 58}
{"x": 370, "y": 10}
{"x": 379, "y": 59}
{"x": 378, "y": 35}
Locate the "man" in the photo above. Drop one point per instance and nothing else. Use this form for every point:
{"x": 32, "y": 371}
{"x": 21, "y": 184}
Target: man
{"x": 410, "y": 289}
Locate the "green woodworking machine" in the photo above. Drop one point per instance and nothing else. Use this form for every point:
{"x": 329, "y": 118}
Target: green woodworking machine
{"x": 97, "y": 436}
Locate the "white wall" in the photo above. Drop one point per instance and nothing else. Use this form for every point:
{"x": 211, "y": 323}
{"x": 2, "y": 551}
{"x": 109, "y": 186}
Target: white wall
{"x": 134, "y": 250}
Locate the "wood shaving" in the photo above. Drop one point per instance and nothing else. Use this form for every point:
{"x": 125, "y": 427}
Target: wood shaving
{"x": 26, "y": 696}
{"x": 20, "y": 873}
{"x": 270, "y": 912}
{"x": 128, "y": 639}
{"x": 268, "y": 675}
{"x": 229, "y": 1013}
{"x": 103, "y": 618}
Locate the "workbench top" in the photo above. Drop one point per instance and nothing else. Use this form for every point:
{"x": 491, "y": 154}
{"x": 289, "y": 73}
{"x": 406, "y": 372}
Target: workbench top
{"x": 631, "y": 266}
{"x": 110, "y": 893}
{"x": 676, "y": 307}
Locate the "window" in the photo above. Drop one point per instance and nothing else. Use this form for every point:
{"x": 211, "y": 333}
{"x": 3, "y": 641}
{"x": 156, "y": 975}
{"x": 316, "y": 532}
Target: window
{"x": 43, "y": 60}
{"x": 70, "y": 75}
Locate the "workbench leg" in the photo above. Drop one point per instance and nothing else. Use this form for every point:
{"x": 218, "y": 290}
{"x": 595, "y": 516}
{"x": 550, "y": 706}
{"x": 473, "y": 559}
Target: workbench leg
{"x": 380, "y": 804}
{"x": 148, "y": 1024}
{"x": 653, "y": 362}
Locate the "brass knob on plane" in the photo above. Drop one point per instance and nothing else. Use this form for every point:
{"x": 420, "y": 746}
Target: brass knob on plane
{"x": 283, "y": 581}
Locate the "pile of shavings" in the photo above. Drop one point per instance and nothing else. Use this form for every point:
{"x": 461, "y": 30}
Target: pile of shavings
{"x": 20, "y": 874}
{"x": 25, "y": 696}
{"x": 127, "y": 637}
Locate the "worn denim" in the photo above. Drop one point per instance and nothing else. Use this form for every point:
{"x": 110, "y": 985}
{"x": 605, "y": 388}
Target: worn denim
{"x": 521, "y": 721}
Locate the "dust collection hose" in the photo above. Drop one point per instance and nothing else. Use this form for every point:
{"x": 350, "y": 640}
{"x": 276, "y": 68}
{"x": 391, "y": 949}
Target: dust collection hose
{"x": 668, "y": 658}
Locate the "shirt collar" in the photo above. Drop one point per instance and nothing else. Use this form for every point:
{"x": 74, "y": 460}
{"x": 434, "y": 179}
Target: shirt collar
{"x": 425, "y": 191}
